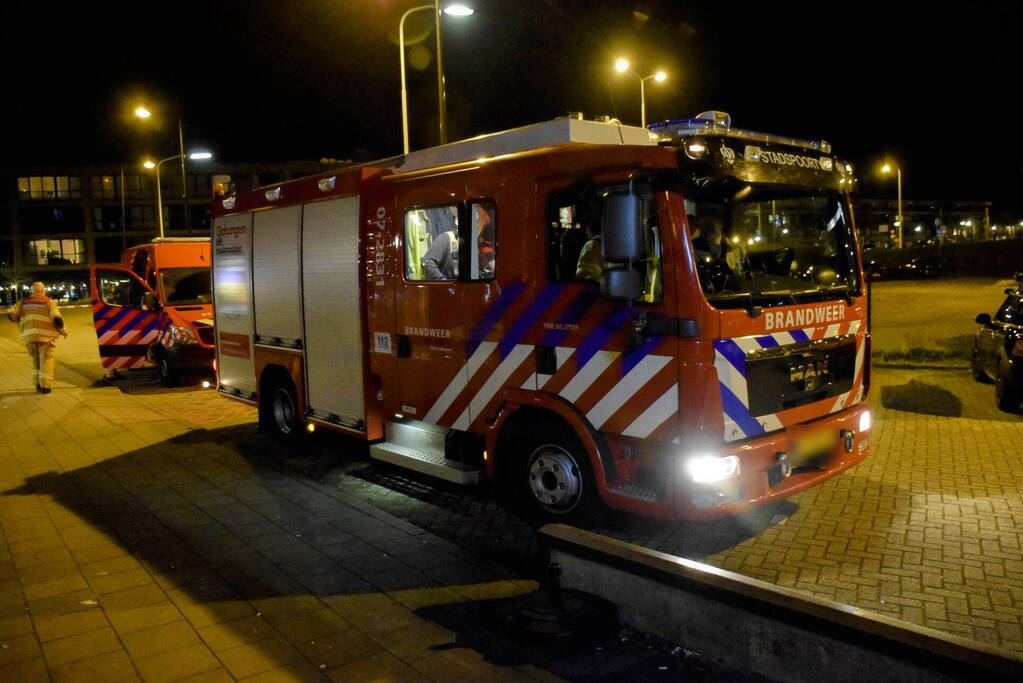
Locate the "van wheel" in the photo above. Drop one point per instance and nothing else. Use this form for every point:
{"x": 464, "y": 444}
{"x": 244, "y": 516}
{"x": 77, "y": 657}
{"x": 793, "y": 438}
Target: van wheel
{"x": 169, "y": 376}
{"x": 1006, "y": 389}
{"x": 282, "y": 411}
{"x": 553, "y": 480}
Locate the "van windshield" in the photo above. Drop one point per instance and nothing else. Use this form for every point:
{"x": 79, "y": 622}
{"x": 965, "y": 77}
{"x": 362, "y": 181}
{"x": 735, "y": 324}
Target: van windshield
{"x": 766, "y": 246}
{"x": 185, "y": 286}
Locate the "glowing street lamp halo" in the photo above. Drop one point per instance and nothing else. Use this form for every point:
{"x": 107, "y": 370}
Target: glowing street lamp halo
{"x": 200, "y": 156}
{"x": 142, "y": 112}
{"x": 149, "y": 163}
{"x": 660, "y": 76}
{"x": 621, "y": 65}
{"x": 458, "y": 10}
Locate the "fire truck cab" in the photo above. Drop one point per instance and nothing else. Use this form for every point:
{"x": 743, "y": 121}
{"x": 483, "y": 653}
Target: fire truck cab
{"x": 156, "y": 308}
{"x": 669, "y": 321}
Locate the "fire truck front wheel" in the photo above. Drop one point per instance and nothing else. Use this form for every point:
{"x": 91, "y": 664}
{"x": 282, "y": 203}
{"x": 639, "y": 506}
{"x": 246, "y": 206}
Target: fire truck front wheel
{"x": 552, "y": 478}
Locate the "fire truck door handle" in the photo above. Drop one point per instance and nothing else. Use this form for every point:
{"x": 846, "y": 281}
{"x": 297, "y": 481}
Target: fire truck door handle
{"x": 404, "y": 346}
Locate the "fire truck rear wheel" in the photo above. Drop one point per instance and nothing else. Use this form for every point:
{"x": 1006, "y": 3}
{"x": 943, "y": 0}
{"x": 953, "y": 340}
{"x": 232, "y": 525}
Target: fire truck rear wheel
{"x": 284, "y": 411}
{"x": 554, "y": 479}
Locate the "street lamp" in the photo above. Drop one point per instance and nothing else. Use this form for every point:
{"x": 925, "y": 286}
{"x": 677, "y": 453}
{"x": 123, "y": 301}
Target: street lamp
{"x": 150, "y": 164}
{"x": 143, "y": 113}
{"x": 450, "y": 10}
{"x": 622, "y": 66}
{"x": 887, "y": 170}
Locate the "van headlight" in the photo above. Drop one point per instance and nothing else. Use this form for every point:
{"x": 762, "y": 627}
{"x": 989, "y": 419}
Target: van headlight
{"x": 706, "y": 469}
{"x": 865, "y": 421}
{"x": 183, "y": 335}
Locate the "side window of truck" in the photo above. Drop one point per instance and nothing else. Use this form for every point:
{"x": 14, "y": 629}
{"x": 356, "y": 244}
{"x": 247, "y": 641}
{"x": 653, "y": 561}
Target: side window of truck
{"x": 574, "y": 224}
{"x": 431, "y": 243}
{"x": 437, "y": 248}
{"x": 483, "y": 256}
{"x": 119, "y": 289}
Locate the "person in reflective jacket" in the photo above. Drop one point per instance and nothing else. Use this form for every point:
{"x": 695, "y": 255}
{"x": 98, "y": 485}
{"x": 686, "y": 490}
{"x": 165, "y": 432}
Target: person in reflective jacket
{"x": 41, "y": 324}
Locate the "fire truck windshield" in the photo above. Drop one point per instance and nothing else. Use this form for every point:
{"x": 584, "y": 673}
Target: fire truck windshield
{"x": 764, "y": 246}
{"x": 185, "y": 286}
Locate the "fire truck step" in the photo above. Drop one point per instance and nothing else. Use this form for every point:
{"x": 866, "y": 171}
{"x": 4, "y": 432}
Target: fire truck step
{"x": 636, "y": 492}
{"x": 429, "y": 462}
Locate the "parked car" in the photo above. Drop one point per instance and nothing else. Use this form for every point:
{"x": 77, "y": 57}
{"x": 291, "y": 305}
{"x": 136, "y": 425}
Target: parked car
{"x": 916, "y": 268}
{"x": 998, "y": 349}
{"x": 875, "y": 271}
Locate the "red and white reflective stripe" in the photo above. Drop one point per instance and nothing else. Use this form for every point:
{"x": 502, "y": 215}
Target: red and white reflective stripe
{"x": 657, "y": 414}
{"x": 625, "y": 389}
{"x": 496, "y": 380}
{"x": 588, "y": 374}
{"x": 125, "y": 362}
{"x": 459, "y": 381}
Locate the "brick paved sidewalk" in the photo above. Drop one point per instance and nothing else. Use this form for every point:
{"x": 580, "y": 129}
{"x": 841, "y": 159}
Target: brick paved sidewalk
{"x": 134, "y": 546}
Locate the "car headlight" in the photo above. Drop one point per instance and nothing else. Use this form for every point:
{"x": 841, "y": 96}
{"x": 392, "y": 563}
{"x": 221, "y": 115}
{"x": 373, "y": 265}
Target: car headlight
{"x": 865, "y": 421}
{"x": 706, "y": 469}
{"x": 183, "y": 335}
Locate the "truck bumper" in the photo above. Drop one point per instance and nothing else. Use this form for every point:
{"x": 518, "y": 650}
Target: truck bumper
{"x": 773, "y": 467}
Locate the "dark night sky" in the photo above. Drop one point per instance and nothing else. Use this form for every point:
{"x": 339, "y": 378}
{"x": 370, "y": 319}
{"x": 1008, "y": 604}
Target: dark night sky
{"x": 286, "y": 80}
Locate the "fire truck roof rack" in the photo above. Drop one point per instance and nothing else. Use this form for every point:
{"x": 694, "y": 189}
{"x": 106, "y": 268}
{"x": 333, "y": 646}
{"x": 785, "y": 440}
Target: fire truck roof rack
{"x": 557, "y": 132}
{"x": 720, "y": 123}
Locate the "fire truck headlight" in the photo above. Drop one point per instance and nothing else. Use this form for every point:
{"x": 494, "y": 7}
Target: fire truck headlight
{"x": 865, "y": 421}
{"x": 183, "y": 335}
{"x": 706, "y": 469}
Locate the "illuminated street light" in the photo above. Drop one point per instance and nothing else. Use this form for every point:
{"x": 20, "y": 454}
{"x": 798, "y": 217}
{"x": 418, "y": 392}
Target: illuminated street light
{"x": 886, "y": 170}
{"x": 450, "y": 10}
{"x": 149, "y": 163}
{"x": 143, "y": 113}
{"x": 621, "y": 66}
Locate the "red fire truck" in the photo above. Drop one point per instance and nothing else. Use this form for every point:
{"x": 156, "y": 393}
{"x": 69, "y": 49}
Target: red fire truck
{"x": 156, "y": 308}
{"x": 669, "y": 321}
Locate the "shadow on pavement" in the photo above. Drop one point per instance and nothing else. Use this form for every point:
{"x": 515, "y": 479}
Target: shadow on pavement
{"x": 919, "y": 397}
{"x": 249, "y": 555}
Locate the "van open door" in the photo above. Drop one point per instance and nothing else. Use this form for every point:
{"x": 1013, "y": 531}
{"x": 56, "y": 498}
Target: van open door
{"x": 125, "y": 328}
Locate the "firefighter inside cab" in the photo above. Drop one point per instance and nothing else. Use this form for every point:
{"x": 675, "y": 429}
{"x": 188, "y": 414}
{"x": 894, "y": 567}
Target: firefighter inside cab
{"x": 441, "y": 259}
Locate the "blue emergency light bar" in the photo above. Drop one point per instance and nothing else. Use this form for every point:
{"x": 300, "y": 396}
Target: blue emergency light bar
{"x": 719, "y": 123}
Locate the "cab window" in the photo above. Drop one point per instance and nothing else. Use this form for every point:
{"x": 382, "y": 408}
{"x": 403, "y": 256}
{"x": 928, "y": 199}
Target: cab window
{"x": 575, "y": 222}
{"x": 483, "y": 255}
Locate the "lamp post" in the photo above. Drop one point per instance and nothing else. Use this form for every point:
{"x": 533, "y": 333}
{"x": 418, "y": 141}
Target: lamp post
{"x": 451, "y": 10}
{"x": 622, "y": 66}
{"x": 143, "y": 113}
{"x": 194, "y": 156}
{"x": 887, "y": 169}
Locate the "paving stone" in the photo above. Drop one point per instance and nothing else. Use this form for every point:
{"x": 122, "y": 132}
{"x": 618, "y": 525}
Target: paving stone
{"x": 171, "y": 636}
{"x": 238, "y": 632}
{"x": 254, "y": 658}
{"x": 381, "y": 666}
{"x": 81, "y": 646}
{"x": 177, "y": 664}
{"x": 54, "y": 626}
{"x": 26, "y": 671}
{"x": 143, "y": 618}
{"x": 112, "y": 666}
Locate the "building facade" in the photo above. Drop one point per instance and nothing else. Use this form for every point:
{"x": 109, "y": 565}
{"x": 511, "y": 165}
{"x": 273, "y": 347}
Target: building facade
{"x": 57, "y": 220}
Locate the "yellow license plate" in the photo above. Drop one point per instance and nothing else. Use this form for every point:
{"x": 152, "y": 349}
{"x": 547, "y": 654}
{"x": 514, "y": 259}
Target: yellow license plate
{"x": 813, "y": 444}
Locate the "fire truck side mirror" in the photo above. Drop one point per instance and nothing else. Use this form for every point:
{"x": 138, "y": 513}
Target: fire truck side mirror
{"x": 623, "y": 239}
{"x": 149, "y": 302}
{"x": 983, "y": 319}
{"x": 623, "y": 284}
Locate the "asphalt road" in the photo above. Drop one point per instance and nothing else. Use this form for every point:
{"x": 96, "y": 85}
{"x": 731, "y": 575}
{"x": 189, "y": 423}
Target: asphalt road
{"x": 936, "y": 316}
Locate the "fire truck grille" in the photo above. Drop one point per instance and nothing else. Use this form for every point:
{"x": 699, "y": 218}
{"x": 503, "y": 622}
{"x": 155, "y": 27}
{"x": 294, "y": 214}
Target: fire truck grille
{"x": 206, "y": 334}
{"x": 786, "y": 377}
